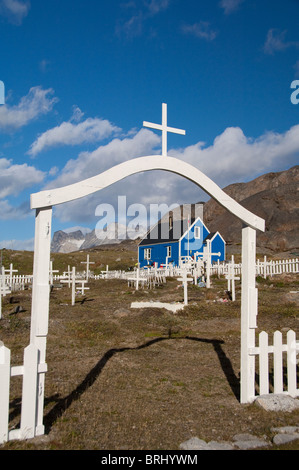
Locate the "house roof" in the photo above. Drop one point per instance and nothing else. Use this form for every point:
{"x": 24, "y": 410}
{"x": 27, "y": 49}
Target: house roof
{"x": 210, "y": 236}
{"x": 161, "y": 233}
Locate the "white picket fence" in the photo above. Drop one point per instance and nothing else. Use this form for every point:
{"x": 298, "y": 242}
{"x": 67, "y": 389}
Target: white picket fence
{"x": 18, "y": 282}
{"x": 154, "y": 275}
{"x": 277, "y": 364}
{"x": 30, "y": 371}
{"x": 264, "y": 268}
{"x": 270, "y": 268}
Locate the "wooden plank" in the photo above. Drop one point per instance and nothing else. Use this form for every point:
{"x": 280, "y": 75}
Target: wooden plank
{"x": 278, "y": 370}
{"x": 248, "y": 313}
{"x": 29, "y": 393}
{"x": 264, "y": 363}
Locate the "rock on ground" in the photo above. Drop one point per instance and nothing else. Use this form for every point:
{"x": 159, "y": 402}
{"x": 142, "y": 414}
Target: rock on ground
{"x": 278, "y": 402}
{"x": 283, "y": 435}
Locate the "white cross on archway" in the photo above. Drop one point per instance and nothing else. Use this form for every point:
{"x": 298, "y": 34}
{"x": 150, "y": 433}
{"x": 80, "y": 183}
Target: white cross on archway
{"x": 164, "y": 128}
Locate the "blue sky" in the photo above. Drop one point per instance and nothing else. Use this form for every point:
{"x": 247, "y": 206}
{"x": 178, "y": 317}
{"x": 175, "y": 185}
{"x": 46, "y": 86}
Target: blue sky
{"x": 81, "y": 77}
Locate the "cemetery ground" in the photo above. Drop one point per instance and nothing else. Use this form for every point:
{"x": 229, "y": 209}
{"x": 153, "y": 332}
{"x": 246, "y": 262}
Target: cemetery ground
{"x": 143, "y": 379}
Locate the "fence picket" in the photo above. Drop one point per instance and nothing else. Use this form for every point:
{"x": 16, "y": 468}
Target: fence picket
{"x": 278, "y": 371}
{"x": 264, "y": 363}
{"x": 291, "y": 362}
{"x": 4, "y": 391}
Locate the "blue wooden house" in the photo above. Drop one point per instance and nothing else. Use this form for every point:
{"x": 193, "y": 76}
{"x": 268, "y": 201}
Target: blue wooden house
{"x": 170, "y": 241}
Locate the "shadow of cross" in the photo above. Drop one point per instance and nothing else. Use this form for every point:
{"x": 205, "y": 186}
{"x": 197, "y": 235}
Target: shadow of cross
{"x": 63, "y": 404}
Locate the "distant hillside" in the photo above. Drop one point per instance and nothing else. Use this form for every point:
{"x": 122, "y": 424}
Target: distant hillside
{"x": 63, "y": 242}
{"x": 275, "y": 198}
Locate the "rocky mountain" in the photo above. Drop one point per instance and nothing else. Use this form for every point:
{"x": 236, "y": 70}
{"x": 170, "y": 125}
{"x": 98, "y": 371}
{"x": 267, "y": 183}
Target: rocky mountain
{"x": 275, "y": 198}
{"x": 63, "y": 242}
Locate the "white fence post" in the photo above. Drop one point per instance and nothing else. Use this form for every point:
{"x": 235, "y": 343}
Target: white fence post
{"x": 4, "y": 391}
{"x": 291, "y": 363}
{"x": 29, "y": 405}
{"x": 248, "y": 314}
{"x": 40, "y": 302}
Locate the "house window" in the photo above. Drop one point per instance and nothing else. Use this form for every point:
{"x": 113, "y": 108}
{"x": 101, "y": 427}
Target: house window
{"x": 196, "y": 232}
{"x": 147, "y": 253}
{"x": 168, "y": 251}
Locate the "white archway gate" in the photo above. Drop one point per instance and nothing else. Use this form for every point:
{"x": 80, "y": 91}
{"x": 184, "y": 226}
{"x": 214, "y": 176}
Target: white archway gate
{"x": 42, "y": 202}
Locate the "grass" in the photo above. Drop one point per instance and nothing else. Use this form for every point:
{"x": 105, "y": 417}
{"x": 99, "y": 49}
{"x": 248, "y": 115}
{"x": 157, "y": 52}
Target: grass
{"x": 143, "y": 379}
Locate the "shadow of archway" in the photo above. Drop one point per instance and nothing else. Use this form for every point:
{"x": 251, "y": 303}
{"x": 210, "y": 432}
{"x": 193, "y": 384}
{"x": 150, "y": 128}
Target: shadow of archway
{"x": 63, "y": 404}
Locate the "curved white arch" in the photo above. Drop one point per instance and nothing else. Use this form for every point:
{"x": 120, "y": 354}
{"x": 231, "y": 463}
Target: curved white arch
{"x": 91, "y": 185}
{"x": 33, "y": 394}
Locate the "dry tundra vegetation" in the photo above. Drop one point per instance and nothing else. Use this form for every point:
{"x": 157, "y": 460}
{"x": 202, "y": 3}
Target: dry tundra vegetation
{"x": 142, "y": 379}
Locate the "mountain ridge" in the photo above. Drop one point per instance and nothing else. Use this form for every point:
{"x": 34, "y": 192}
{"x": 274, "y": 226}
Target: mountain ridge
{"x": 272, "y": 196}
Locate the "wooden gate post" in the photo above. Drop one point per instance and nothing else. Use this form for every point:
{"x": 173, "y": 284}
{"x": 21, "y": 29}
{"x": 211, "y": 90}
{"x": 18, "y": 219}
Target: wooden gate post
{"x": 248, "y": 315}
{"x": 39, "y": 319}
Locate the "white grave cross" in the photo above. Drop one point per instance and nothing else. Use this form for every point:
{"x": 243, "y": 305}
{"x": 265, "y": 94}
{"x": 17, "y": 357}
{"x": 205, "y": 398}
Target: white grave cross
{"x": 10, "y": 272}
{"x": 4, "y": 289}
{"x": 51, "y": 272}
{"x": 75, "y": 281}
{"x": 68, "y": 275}
{"x": 231, "y": 278}
{"x": 185, "y": 279}
{"x": 87, "y": 262}
{"x": 207, "y": 259}
{"x": 164, "y": 128}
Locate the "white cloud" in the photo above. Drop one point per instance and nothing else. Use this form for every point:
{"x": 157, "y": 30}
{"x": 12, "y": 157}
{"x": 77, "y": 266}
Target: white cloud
{"x": 31, "y": 106}
{"x": 155, "y": 6}
{"x": 43, "y": 65}
{"x": 134, "y": 25}
{"x": 27, "y": 245}
{"x": 16, "y": 178}
{"x": 53, "y": 171}
{"x": 201, "y": 30}
{"x": 235, "y": 157}
{"x": 77, "y": 114}
{"x": 231, "y": 157}
{"x": 118, "y": 150}
{"x": 10, "y": 212}
{"x": 230, "y": 6}
{"x": 275, "y": 41}
{"x": 14, "y": 10}
{"x": 89, "y": 131}
{"x": 91, "y": 163}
